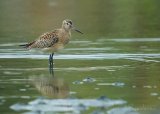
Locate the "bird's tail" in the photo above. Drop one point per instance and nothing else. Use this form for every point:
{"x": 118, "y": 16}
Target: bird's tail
{"x": 26, "y": 45}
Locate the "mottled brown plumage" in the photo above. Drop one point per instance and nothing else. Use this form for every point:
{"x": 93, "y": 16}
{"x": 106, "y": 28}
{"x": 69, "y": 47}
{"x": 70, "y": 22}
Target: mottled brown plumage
{"x": 51, "y": 41}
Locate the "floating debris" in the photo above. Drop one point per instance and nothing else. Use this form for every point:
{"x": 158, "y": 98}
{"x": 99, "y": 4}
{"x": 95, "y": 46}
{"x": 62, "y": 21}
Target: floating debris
{"x": 89, "y": 80}
{"x": 96, "y": 88}
{"x": 2, "y": 101}
{"x": 117, "y": 84}
{"x": 103, "y": 98}
{"x": 133, "y": 86}
{"x": 72, "y": 92}
{"x": 123, "y": 110}
{"x": 111, "y": 70}
{"x": 98, "y": 112}
{"x": 77, "y": 82}
{"x": 147, "y": 86}
{"x": 25, "y": 97}
{"x": 153, "y": 94}
{"x": 74, "y": 106}
{"x": 86, "y": 80}
{"x": 12, "y": 73}
{"x": 22, "y": 89}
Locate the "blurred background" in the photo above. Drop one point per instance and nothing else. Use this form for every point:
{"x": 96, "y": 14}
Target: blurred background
{"x": 114, "y": 64}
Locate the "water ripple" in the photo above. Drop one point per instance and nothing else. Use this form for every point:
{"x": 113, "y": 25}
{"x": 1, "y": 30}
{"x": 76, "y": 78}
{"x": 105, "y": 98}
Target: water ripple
{"x": 135, "y": 40}
{"x": 99, "y": 56}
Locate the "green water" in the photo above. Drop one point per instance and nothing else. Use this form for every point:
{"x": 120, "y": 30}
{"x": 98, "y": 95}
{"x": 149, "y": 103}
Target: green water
{"x": 117, "y": 57}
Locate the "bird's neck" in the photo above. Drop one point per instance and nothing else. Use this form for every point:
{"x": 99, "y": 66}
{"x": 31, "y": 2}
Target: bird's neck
{"x": 66, "y": 30}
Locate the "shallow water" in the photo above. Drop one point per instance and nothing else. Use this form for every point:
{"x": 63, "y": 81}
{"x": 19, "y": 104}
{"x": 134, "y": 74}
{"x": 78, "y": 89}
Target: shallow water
{"x": 128, "y": 77}
{"x": 111, "y": 69}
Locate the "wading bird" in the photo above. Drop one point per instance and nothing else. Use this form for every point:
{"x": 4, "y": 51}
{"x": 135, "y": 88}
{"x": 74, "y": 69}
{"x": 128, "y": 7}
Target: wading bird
{"x": 53, "y": 41}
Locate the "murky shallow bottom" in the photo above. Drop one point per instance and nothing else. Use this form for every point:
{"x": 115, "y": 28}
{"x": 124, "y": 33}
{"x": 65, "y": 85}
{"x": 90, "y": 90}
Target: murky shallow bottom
{"x": 116, "y": 79}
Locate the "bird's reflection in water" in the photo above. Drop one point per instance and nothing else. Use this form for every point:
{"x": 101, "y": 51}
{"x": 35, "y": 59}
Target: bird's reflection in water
{"x": 50, "y": 86}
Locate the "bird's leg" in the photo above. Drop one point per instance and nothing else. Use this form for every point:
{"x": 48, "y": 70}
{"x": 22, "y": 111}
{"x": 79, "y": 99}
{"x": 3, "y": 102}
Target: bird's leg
{"x": 52, "y": 70}
{"x": 52, "y": 59}
{"x": 51, "y": 64}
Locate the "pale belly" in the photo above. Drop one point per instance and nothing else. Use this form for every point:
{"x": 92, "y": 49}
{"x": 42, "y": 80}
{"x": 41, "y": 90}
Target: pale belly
{"x": 54, "y": 48}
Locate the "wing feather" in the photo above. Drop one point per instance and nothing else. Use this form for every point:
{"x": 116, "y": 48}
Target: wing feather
{"x": 46, "y": 40}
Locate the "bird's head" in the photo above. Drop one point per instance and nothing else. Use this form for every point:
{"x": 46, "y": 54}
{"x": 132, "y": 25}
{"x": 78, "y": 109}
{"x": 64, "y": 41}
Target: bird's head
{"x": 68, "y": 25}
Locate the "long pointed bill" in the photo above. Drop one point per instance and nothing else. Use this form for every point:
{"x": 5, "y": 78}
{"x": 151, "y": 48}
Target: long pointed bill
{"x": 77, "y": 30}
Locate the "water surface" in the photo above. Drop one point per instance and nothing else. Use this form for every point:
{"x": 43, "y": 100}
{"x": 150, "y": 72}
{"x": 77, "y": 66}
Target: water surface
{"x": 112, "y": 69}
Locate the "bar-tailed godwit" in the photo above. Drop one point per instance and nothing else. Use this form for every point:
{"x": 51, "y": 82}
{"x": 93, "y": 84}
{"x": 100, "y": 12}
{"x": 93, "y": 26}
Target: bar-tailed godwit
{"x": 54, "y": 40}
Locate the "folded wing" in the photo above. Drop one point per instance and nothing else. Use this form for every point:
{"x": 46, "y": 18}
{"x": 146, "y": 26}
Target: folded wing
{"x": 44, "y": 41}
